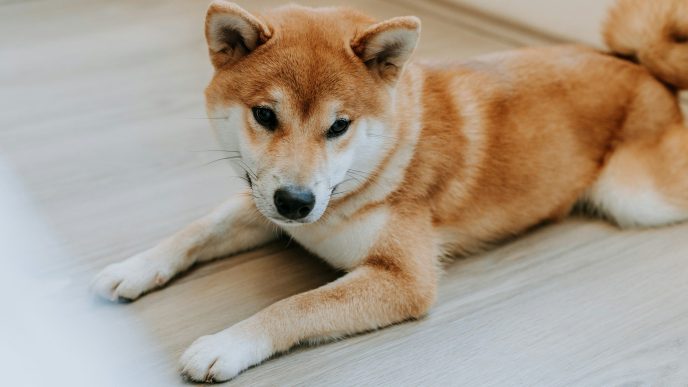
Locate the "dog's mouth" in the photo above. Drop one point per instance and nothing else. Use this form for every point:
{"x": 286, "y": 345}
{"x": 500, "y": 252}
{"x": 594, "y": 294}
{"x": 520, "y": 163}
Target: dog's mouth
{"x": 288, "y": 222}
{"x": 283, "y": 221}
{"x": 270, "y": 212}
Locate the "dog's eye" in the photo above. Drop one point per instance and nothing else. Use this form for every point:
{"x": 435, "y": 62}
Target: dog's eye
{"x": 265, "y": 117}
{"x": 338, "y": 128}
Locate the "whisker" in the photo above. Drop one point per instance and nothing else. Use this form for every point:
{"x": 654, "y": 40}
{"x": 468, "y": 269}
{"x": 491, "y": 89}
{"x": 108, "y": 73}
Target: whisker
{"x": 361, "y": 172}
{"x": 342, "y": 182}
{"x": 291, "y": 239}
{"x": 341, "y": 192}
{"x": 364, "y": 175}
{"x": 214, "y": 150}
{"x": 224, "y": 158}
{"x": 206, "y": 118}
{"x": 246, "y": 168}
{"x": 242, "y": 164}
{"x": 358, "y": 179}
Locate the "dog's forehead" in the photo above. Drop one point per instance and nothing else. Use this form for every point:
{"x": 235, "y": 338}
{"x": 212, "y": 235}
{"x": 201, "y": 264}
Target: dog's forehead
{"x": 292, "y": 105}
{"x": 305, "y": 79}
{"x": 294, "y": 20}
{"x": 310, "y": 55}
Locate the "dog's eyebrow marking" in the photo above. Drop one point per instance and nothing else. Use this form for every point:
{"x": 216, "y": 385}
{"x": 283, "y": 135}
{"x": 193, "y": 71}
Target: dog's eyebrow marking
{"x": 276, "y": 98}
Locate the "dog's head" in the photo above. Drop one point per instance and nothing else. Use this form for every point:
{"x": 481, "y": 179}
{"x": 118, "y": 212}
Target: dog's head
{"x": 303, "y": 97}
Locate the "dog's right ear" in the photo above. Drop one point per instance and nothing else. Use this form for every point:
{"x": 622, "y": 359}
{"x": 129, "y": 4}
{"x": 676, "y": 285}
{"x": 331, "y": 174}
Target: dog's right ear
{"x": 232, "y": 32}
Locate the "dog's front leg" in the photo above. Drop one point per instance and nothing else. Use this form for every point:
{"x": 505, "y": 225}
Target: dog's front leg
{"x": 390, "y": 286}
{"x": 233, "y": 227}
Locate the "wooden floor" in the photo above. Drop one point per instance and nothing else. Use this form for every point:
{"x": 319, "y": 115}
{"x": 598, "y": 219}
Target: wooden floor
{"x": 101, "y": 118}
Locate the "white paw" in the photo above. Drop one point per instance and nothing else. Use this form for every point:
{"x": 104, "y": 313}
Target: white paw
{"x": 222, "y": 356}
{"x": 131, "y": 278}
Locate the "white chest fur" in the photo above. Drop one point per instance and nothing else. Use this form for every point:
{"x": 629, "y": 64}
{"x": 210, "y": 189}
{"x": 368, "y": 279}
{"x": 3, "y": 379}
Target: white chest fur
{"x": 342, "y": 243}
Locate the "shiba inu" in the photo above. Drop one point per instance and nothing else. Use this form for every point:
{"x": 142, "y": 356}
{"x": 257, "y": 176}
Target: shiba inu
{"x": 382, "y": 165}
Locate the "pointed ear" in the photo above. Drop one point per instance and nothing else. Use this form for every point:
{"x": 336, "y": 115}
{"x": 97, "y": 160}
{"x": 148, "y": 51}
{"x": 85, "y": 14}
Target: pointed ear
{"x": 385, "y": 47}
{"x": 232, "y": 32}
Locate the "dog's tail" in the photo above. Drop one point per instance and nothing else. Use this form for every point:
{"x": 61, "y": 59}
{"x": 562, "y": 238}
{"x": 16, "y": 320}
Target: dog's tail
{"x": 655, "y": 33}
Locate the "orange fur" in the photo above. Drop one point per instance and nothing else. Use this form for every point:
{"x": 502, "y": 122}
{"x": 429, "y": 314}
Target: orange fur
{"x": 456, "y": 155}
{"x": 500, "y": 144}
{"x": 656, "y": 32}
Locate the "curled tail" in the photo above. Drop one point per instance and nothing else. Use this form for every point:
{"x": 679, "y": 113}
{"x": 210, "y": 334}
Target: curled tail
{"x": 655, "y": 32}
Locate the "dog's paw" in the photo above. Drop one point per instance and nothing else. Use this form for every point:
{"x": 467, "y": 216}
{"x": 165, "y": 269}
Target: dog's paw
{"x": 131, "y": 278}
{"x": 222, "y": 356}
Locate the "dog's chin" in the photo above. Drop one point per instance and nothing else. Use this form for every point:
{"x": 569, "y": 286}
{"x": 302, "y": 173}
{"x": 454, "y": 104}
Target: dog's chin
{"x": 284, "y": 222}
{"x": 281, "y": 221}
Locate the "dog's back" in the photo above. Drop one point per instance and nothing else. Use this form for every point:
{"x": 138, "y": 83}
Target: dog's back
{"x": 517, "y": 138}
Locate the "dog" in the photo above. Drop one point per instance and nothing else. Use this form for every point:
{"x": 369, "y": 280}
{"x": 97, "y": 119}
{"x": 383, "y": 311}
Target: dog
{"x": 382, "y": 166}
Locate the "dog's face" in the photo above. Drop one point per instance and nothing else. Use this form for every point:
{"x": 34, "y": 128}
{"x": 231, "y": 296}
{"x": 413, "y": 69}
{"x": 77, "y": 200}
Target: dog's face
{"x": 303, "y": 98}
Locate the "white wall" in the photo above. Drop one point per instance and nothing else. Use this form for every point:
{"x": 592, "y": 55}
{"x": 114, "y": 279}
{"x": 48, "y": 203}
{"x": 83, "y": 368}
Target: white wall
{"x": 573, "y": 19}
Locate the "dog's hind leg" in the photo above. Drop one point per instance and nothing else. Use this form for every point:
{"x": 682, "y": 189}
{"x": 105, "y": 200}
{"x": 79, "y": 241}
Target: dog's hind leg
{"x": 645, "y": 182}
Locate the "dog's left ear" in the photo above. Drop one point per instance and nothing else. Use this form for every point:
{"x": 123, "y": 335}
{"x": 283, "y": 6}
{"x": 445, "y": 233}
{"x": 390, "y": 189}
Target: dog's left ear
{"x": 232, "y": 32}
{"x": 385, "y": 47}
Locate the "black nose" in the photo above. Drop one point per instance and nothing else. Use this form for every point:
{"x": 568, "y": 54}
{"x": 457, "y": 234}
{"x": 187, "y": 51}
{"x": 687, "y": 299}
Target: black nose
{"x": 294, "y": 202}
